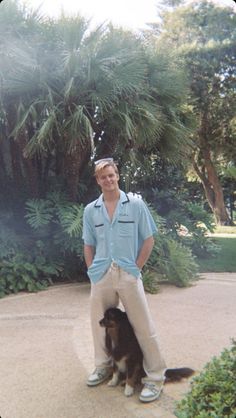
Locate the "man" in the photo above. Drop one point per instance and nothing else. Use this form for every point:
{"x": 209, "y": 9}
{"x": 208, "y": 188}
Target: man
{"x": 118, "y": 239}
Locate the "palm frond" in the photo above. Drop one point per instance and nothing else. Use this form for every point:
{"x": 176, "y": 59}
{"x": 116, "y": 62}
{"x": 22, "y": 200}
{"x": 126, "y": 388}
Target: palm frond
{"x": 69, "y": 88}
{"x": 23, "y": 116}
{"x": 43, "y": 138}
{"x": 78, "y": 128}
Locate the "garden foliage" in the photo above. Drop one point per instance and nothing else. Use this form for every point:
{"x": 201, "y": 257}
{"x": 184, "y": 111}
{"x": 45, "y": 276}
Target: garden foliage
{"x": 170, "y": 260}
{"x": 213, "y": 392}
{"x": 51, "y": 249}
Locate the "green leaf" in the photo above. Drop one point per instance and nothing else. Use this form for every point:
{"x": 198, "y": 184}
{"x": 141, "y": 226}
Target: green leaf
{"x": 71, "y": 219}
{"x": 40, "y": 213}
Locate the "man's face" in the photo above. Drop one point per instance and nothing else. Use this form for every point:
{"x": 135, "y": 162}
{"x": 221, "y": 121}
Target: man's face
{"x": 108, "y": 179}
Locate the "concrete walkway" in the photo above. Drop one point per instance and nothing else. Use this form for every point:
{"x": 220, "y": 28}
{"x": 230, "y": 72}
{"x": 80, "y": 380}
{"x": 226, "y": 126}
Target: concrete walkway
{"x": 46, "y": 348}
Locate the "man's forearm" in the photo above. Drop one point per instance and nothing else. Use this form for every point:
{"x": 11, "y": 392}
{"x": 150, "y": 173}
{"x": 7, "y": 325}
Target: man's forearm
{"x": 89, "y": 252}
{"x": 145, "y": 252}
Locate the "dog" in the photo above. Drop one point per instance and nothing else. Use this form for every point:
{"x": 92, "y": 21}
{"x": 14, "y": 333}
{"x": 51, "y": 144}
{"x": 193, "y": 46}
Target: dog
{"x": 123, "y": 347}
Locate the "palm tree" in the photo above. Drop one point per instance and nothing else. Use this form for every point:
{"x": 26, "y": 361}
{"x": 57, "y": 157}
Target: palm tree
{"x": 20, "y": 85}
{"x": 74, "y": 94}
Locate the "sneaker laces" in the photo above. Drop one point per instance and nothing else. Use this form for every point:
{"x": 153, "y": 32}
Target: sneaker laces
{"x": 154, "y": 387}
{"x": 100, "y": 372}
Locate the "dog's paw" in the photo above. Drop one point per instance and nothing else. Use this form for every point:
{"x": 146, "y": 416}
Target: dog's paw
{"x": 129, "y": 391}
{"x": 114, "y": 381}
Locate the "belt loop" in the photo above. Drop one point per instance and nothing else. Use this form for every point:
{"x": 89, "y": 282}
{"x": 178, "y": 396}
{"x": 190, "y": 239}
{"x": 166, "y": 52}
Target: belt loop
{"x": 114, "y": 265}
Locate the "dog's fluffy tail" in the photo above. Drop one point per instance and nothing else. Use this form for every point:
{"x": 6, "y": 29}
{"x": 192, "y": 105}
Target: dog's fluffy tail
{"x": 173, "y": 375}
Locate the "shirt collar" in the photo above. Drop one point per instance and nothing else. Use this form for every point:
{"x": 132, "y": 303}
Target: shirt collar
{"x": 124, "y": 198}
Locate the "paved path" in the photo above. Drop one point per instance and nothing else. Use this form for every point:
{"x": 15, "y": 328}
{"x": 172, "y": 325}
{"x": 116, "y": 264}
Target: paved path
{"x": 46, "y": 348}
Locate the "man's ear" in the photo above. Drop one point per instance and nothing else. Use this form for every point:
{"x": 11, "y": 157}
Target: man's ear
{"x": 97, "y": 180}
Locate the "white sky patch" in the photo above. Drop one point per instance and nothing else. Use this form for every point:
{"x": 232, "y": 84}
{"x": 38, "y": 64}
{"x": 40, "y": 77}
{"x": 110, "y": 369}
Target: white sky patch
{"x": 126, "y": 13}
{"x": 132, "y": 14}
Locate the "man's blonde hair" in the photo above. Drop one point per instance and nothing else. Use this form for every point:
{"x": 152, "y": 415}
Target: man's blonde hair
{"x": 103, "y": 164}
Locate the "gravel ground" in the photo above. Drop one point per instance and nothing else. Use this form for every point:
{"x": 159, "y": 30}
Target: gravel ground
{"x": 46, "y": 348}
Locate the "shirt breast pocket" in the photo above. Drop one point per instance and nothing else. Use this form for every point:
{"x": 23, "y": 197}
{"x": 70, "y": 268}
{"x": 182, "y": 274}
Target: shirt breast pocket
{"x": 99, "y": 230}
{"x": 126, "y": 228}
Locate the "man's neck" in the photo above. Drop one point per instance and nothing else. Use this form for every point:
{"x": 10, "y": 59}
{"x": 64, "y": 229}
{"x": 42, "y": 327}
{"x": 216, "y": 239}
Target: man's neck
{"x": 110, "y": 197}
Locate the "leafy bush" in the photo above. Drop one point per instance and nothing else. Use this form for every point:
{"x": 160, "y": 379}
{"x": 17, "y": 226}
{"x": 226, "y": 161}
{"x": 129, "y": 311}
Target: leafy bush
{"x": 173, "y": 262}
{"x": 58, "y": 224}
{"x": 57, "y": 221}
{"x": 49, "y": 249}
{"x": 150, "y": 281}
{"x": 26, "y": 272}
{"x": 179, "y": 203}
{"x": 213, "y": 391}
{"x": 52, "y": 249}
{"x": 198, "y": 222}
{"x": 180, "y": 269}
{"x": 170, "y": 260}
{"x": 10, "y": 242}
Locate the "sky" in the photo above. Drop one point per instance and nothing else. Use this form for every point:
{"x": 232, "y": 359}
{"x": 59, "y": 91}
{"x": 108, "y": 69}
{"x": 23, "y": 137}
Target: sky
{"x": 132, "y": 14}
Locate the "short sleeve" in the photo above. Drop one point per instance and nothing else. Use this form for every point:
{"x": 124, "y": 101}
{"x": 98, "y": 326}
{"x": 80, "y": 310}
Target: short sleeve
{"x": 147, "y": 226}
{"x": 88, "y": 232}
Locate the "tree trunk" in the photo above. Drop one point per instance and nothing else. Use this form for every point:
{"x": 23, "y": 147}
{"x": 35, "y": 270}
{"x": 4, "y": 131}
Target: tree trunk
{"x": 213, "y": 189}
{"x": 74, "y": 162}
{"x": 206, "y": 171}
{"x": 16, "y": 163}
{"x": 3, "y": 172}
{"x": 30, "y": 168}
{"x": 14, "y": 147}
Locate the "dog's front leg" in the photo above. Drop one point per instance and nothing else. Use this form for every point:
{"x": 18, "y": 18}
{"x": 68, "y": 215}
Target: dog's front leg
{"x": 129, "y": 390}
{"x": 130, "y": 382}
{"x": 115, "y": 377}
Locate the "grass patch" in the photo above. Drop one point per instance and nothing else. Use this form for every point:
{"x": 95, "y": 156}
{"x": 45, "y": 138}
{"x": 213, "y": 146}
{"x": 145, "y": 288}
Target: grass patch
{"x": 225, "y": 260}
{"x": 225, "y": 230}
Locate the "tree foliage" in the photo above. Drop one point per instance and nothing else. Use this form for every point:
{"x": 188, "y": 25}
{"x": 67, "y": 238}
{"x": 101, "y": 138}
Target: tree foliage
{"x": 70, "y": 94}
{"x": 204, "y": 38}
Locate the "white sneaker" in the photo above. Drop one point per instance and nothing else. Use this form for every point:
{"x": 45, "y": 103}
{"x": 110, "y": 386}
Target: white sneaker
{"x": 98, "y": 376}
{"x": 151, "y": 391}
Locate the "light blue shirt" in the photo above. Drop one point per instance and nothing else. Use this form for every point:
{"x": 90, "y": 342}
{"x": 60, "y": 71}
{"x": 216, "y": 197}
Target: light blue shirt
{"x": 118, "y": 240}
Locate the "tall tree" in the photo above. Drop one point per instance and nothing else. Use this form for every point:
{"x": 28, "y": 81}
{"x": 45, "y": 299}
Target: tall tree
{"x": 70, "y": 94}
{"x": 204, "y": 37}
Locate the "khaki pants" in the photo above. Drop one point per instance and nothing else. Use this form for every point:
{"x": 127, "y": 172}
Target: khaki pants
{"x": 118, "y": 285}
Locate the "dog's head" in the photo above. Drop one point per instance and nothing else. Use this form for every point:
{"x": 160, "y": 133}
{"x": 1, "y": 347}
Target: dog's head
{"x": 112, "y": 318}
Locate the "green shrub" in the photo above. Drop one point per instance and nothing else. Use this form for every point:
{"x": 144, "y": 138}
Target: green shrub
{"x": 198, "y": 223}
{"x": 50, "y": 247}
{"x": 182, "y": 209}
{"x": 173, "y": 262}
{"x": 213, "y": 391}
{"x": 170, "y": 260}
{"x": 150, "y": 281}
{"x": 180, "y": 268}
{"x": 57, "y": 223}
{"x": 26, "y": 272}
{"x": 10, "y": 242}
